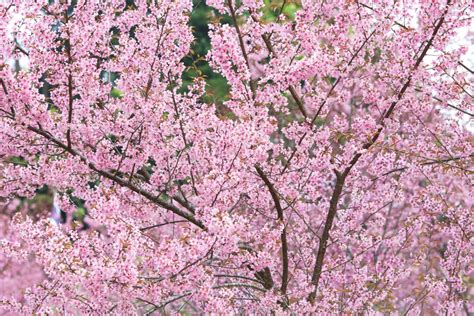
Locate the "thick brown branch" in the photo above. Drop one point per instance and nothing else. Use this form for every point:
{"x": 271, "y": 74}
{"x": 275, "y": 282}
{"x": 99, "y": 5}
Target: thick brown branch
{"x": 284, "y": 242}
{"x": 400, "y": 94}
{"x": 118, "y": 180}
{"x": 340, "y": 178}
{"x": 185, "y": 203}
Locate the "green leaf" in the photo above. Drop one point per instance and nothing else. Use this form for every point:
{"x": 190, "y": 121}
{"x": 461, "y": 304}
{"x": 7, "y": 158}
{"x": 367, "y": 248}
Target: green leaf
{"x": 290, "y": 10}
{"x": 319, "y": 121}
{"x": 18, "y": 161}
{"x": 80, "y": 213}
{"x": 116, "y": 93}
{"x": 330, "y": 80}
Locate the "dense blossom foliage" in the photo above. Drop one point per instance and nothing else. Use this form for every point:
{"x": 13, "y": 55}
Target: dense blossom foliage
{"x": 335, "y": 176}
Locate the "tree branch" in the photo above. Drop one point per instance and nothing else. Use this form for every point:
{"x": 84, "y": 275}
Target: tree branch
{"x": 116, "y": 179}
{"x": 238, "y": 277}
{"x": 287, "y": 164}
{"x": 241, "y": 44}
{"x": 67, "y": 46}
{"x": 340, "y": 178}
{"x": 284, "y": 243}
{"x": 294, "y": 94}
{"x": 183, "y": 134}
{"x": 229, "y": 285}
{"x": 465, "y": 67}
{"x": 162, "y": 224}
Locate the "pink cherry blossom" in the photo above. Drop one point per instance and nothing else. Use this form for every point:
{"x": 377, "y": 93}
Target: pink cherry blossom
{"x": 333, "y": 182}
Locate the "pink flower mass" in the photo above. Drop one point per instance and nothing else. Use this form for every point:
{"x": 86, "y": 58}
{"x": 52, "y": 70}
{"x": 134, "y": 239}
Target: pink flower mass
{"x": 334, "y": 177}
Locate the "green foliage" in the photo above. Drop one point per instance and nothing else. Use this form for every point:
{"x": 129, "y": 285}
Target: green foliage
{"x": 17, "y": 161}
{"x": 217, "y": 89}
{"x": 272, "y": 9}
{"x": 330, "y": 80}
{"x": 116, "y": 93}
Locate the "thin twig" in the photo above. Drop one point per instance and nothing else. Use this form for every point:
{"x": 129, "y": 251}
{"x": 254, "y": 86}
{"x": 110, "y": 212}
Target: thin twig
{"x": 241, "y": 44}
{"x": 230, "y": 285}
{"x": 161, "y": 224}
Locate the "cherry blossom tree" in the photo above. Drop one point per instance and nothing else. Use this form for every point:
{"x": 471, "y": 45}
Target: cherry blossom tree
{"x": 335, "y": 176}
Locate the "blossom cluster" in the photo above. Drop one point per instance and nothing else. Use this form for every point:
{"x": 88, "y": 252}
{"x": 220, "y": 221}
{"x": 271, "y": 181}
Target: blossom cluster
{"x": 330, "y": 180}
